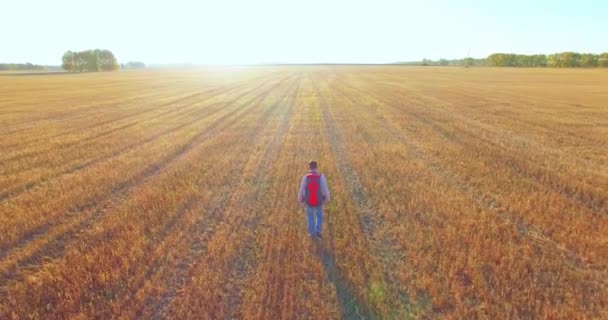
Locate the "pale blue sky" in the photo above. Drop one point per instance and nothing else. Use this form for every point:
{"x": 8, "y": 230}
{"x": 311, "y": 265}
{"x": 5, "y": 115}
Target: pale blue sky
{"x": 233, "y": 32}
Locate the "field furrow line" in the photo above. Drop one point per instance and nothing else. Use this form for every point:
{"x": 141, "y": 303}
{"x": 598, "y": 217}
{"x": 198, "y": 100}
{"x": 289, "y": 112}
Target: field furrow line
{"x": 176, "y": 110}
{"x": 117, "y": 195}
{"x": 95, "y": 136}
{"x": 485, "y": 200}
{"x": 194, "y": 114}
{"x": 503, "y": 159}
{"x": 227, "y": 211}
{"x": 132, "y": 104}
{"x": 214, "y": 91}
{"x": 174, "y": 222}
{"x": 240, "y": 264}
{"x": 66, "y": 117}
{"x": 193, "y": 98}
{"x": 356, "y": 191}
{"x": 198, "y": 234}
{"x": 460, "y": 193}
{"x": 286, "y": 277}
{"x": 501, "y": 154}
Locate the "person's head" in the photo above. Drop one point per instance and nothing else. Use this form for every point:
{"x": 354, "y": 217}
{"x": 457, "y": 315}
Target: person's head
{"x": 312, "y": 165}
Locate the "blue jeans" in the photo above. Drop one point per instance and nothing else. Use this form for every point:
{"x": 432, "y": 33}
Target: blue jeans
{"x": 314, "y": 227}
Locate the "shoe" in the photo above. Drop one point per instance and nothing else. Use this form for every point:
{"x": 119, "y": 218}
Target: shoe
{"x": 318, "y": 235}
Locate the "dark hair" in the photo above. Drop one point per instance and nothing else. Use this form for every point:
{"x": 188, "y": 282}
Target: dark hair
{"x": 312, "y": 164}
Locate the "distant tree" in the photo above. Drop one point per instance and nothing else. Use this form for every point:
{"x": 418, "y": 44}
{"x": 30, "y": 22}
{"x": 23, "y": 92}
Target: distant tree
{"x": 553, "y": 60}
{"x": 602, "y": 60}
{"x": 495, "y": 60}
{"x": 21, "y": 67}
{"x": 539, "y": 60}
{"x": 588, "y": 60}
{"x": 569, "y": 60}
{"x": 521, "y": 60}
{"x": 468, "y": 62}
{"x": 68, "y": 61}
{"x": 557, "y": 60}
{"x": 107, "y": 60}
{"x": 89, "y": 60}
{"x": 504, "y": 60}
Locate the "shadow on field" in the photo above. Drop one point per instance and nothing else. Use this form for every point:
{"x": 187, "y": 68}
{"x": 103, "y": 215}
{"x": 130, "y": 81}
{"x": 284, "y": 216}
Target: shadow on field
{"x": 350, "y": 307}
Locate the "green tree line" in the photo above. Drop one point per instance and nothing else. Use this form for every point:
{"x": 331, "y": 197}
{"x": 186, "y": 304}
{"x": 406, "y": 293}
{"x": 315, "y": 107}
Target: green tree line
{"x": 89, "y": 60}
{"x": 556, "y": 60}
{"x": 20, "y": 66}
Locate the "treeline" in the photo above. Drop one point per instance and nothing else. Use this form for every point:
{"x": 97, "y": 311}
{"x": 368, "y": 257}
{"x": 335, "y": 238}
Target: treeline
{"x": 21, "y": 67}
{"x": 89, "y": 60}
{"x": 468, "y": 62}
{"x": 557, "y": 60}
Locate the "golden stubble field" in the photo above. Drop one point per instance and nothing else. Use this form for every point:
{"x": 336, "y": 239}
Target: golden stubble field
{"x": 457, "y": 193}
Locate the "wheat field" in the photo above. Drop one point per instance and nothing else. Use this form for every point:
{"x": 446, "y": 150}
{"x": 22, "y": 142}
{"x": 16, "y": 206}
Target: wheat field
{"x": 456, "y": 193}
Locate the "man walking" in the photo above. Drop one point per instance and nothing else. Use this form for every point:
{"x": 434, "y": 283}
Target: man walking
{"x": 313, "y": 194}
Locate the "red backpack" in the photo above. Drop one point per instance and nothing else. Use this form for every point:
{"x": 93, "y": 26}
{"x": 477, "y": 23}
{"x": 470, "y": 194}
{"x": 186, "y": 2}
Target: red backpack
{"x": 313, "y": 195}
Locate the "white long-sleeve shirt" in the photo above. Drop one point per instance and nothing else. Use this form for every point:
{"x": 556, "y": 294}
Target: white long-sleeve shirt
{"x": 324, "y": 189}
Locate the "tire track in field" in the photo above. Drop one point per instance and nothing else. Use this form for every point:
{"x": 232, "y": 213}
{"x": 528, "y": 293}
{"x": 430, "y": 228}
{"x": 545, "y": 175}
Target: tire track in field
{"x": 197, "y": 240}
{"x": 119, "y": 194}
{"x": 177, "y": 110}
{"x": 570, "y": 258}
{"x": 64, "y": 116}
{"x": 238, "y": 267}
{"x": 349, "y": 304}
{"x": 215, "y": 112}
{"x": 136, "y": 115}
{"x": 234, "y": 200}
{"x": 589, "y": 199}
{"x": 92, "y": 109}
{"x": 57, "y": 121}
{"x": 103, "y": 133}
{"x": 193, "y": 235}
{"x": 518, "y": 101}
{"x": 58, "y": 245}
{"x": 15, "y": 191}
{"x": 349, "y": 307}
{"x": 566, "y": 258}
{"x": 11, "y": 193}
